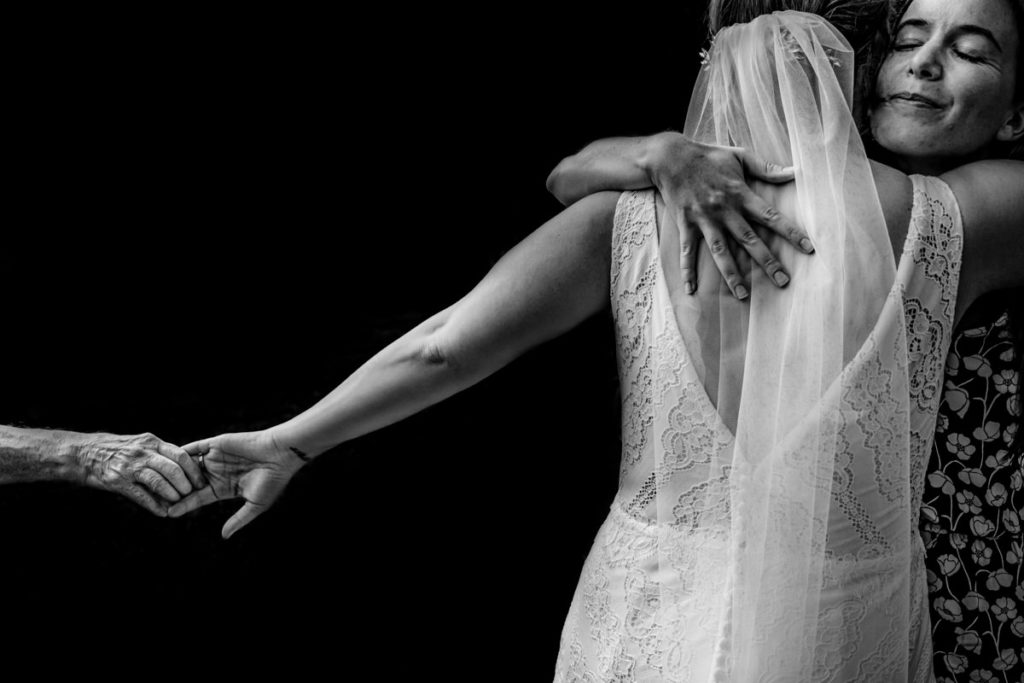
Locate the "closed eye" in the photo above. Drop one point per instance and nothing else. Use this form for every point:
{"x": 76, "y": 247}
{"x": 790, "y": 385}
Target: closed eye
{"x": 903, "y": 47}
{"x": 969, "y": 57}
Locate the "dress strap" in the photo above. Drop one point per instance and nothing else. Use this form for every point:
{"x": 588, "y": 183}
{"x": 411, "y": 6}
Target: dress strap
{"x": 935, "y": 241}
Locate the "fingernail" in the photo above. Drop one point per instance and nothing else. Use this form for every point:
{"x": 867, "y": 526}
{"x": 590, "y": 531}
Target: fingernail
{"x": 781, "y": 279}
{"x": 742, "y": 292}
{"x": 806, "y": 245}
{"x": 689, "y": 288}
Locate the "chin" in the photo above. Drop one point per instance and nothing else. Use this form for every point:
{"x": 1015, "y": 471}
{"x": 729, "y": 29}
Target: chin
{"x": 905, "y": 141}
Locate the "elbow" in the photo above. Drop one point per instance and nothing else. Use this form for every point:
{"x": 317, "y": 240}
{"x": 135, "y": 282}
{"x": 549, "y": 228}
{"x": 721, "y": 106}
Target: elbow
{"x": 457, "y": 362}
{"x": 429, "y": 344}
{"x": 556, "y": 182}
{"x": 438, "y": 355}
{"x": 434, "y": 354}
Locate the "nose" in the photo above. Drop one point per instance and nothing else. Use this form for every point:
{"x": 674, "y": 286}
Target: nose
{"x": 926, "y": 63}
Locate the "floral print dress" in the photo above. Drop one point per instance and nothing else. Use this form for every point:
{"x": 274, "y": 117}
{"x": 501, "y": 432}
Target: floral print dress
{"x": 971, "y": 517}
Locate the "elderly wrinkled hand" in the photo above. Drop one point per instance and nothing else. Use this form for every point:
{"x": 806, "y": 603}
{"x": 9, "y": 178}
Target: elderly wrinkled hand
{"x": 247, "y": 465}
{"x": 142, "y": 467}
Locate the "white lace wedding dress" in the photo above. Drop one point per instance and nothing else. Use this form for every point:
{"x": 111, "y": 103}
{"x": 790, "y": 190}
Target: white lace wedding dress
{"x": 655, "y": 601}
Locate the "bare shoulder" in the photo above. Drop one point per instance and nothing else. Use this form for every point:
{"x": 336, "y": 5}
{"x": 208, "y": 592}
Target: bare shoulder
{"x": 896, "y": 194}
{"x": 589, "y": 223}
{"x": 595, "y": 215}
{"x": 990, "y": 195}
{"x": 602, "y": 203}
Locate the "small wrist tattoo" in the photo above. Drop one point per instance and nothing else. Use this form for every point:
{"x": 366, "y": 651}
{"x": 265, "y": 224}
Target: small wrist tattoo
{"x": 299, "y": 454}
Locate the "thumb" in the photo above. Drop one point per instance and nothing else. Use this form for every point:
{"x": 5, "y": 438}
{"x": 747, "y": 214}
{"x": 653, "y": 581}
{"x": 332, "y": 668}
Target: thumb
{"x": 762, "y": 169}
{"x": 245, "y": 514}
{"x": 197, "y": 448}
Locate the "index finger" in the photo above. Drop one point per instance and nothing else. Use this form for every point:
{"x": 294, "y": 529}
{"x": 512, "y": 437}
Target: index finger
{"x": 197, "y": 448}
{"x": 763, "y": 213}
{"x": 185, "y": 462}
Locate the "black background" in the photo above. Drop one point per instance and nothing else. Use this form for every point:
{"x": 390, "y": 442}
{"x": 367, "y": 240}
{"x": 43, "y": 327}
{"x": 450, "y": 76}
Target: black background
{"x": 213, "y": 221}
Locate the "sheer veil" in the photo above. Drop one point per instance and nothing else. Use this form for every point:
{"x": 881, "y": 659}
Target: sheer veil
{"x": 806, "y": 511}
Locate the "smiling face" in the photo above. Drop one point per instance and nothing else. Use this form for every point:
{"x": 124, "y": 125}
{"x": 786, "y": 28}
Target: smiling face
{"x": 945, "y": 92}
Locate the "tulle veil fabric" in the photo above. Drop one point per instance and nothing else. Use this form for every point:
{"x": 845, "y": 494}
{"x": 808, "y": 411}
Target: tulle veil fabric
{"x": 806, "y": 512}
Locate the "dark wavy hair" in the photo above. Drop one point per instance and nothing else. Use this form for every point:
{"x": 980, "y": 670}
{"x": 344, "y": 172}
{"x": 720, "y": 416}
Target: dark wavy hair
{"x": 858, "y": 20}
{"x": 1016, "y": 149}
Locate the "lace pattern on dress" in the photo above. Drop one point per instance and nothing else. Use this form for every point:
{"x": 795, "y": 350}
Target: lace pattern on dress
{"x": 637, "y": 616}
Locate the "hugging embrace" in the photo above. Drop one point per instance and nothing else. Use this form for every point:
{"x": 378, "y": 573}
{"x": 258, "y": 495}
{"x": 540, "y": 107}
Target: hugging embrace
{"x": 803, "y": 495}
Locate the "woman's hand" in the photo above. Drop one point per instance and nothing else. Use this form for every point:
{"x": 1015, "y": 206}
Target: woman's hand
{"x": 705, "y": 190}
{"x": 248, "y": 465}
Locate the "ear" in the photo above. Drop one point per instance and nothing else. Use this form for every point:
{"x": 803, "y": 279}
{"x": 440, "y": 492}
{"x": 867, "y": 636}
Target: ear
{"x": 1013, "y": 128}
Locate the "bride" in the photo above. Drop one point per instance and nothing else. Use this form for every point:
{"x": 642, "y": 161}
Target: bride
{"x": 772, "y": 452}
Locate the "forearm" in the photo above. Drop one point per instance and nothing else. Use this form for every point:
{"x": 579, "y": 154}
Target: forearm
{"x": 547, "y": 284}
{"x": 404, "y": 378}
{"x": 607, "y": 164}
{"x": 38, "y": 455}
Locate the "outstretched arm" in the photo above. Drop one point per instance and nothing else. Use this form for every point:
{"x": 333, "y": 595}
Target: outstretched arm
{"x": 705, "y": 188}
{"x": 549, "y": 283}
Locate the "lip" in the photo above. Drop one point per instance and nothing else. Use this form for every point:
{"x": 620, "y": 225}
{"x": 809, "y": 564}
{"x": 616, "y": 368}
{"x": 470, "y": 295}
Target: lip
{"x": 915, "y": 99}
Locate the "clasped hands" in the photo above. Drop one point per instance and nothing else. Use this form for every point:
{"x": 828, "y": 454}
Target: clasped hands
{"x": 170, "y": 481}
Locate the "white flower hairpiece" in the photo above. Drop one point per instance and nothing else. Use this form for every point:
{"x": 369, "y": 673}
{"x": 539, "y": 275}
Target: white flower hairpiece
{"x": 798, "y": 52}
{"x": 705, "y": 53}
{"x": 795, "y": 50}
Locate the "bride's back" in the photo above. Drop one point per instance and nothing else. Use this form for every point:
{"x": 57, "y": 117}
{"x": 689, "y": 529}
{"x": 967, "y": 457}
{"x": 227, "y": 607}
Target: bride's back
{"x": 781, "y": 429}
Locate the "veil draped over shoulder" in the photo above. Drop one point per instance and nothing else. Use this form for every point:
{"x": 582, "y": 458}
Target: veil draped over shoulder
{"x": 806, "y": 513}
